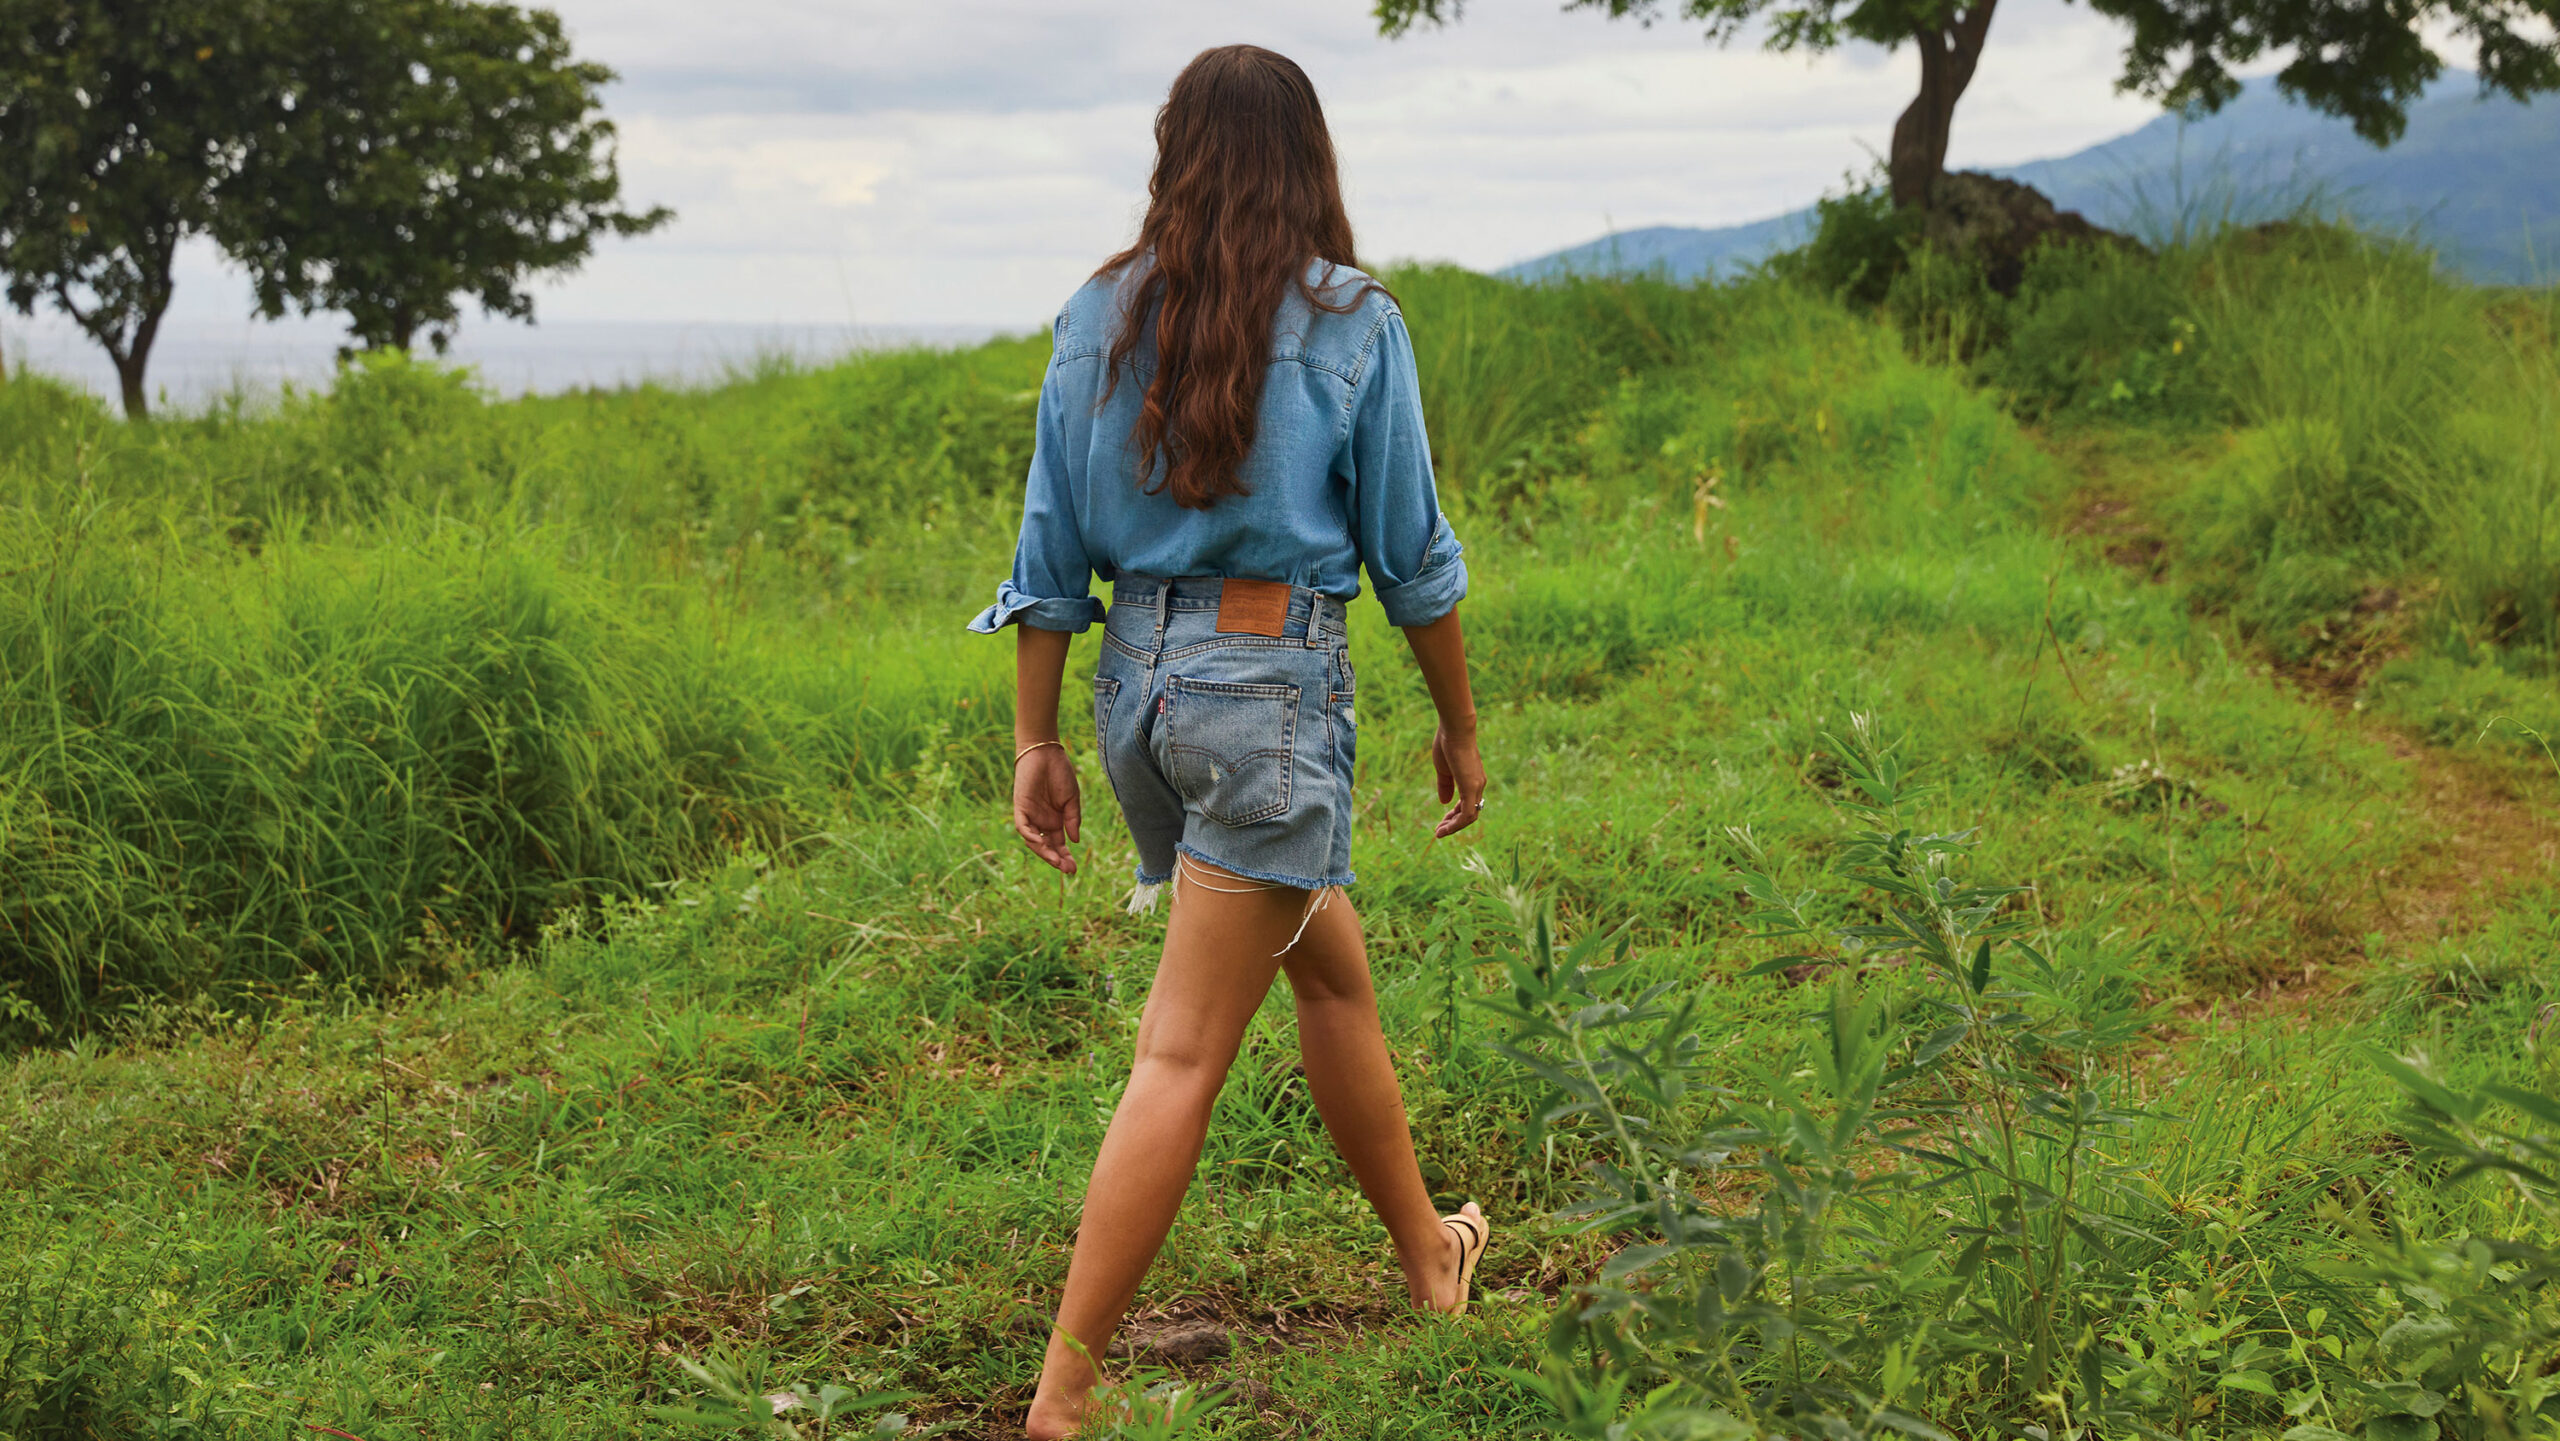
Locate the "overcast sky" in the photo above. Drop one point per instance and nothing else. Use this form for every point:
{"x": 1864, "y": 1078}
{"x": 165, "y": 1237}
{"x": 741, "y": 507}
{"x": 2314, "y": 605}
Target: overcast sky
{"x": 889, "y": 162}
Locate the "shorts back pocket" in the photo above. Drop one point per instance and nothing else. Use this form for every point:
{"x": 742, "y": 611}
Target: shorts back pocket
{"x": 1227, "y": 747}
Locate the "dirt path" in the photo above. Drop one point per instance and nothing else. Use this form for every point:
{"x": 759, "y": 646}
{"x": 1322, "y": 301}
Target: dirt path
{"x": 2487, "y": 826}
{"x": 2487, "y": 834}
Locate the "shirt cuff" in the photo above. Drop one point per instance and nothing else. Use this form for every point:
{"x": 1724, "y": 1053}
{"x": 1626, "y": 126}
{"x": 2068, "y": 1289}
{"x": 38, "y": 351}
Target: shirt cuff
{"x": 1433, "y": 593}
{"x": 1067, "y": 613}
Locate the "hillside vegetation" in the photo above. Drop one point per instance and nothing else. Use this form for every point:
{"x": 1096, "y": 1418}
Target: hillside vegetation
{"x": 499, "y": 901}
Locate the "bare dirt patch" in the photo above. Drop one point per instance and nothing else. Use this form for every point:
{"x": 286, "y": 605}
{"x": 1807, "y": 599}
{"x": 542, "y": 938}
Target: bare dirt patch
{"x": 2482, "y": 832}
{"x": 2485, "y": 835}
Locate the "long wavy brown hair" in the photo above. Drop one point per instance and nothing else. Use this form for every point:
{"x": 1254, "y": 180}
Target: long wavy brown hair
{"x": 1245, "y": 194}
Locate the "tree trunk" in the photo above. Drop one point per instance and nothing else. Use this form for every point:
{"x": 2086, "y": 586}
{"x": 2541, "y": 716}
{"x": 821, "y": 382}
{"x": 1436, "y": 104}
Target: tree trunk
{"x": 137, "y": 402}
{"x": 1948, "y": 54}
{"x": 134, "y": 358}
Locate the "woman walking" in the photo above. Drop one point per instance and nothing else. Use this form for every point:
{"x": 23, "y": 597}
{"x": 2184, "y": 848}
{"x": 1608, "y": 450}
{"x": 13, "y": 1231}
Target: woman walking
{"x": 1229, "y": 431}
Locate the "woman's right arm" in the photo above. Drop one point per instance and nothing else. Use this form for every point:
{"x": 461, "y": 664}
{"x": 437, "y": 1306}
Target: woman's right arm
{"x": 1049, "y": 598}
{"x": 1048, "y": 813}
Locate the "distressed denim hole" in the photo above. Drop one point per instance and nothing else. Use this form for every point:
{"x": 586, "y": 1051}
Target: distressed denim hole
{"x": 1227, "y": 747}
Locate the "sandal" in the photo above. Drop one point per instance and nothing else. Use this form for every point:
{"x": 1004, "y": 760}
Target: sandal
{"x": 1474, "y": 1234}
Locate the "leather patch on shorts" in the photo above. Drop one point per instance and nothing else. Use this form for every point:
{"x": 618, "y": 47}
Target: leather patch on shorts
{"x": 1253, "y": 607}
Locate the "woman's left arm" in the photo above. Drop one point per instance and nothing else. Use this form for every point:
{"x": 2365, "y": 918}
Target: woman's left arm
{"x": 1440, "y": 649}
{"x": 1414, "y": 559}
{"x": 1048, "y": 812}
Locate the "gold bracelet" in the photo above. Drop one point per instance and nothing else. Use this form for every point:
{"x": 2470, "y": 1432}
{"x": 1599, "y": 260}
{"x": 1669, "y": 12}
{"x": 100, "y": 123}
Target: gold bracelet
{"x": 1035, "y": 745}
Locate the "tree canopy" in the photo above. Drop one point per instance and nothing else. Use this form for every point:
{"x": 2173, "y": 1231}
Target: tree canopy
{"x": 426, "y": 152}
{"x": 2365, "y": 60}
{"x": 120, "y": 123}
{"x": 383, "y": 158}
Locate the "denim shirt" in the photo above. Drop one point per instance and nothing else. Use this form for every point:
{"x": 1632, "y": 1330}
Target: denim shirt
{"x": 1339, "y": 474}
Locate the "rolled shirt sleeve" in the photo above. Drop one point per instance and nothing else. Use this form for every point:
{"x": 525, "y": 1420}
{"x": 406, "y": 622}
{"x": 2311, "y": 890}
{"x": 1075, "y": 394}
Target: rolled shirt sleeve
{"x": 1051, "y": 587}
{"x": 1414, "y": 561}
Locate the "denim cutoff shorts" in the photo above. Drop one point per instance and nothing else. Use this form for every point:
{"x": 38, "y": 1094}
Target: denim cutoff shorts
{"x": 1231, "y": 749}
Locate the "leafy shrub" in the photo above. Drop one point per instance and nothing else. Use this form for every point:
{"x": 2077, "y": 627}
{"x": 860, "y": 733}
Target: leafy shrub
{"x": 1788, "y": 1285}
{"x": 1932, "y": 1218}
{"x": 76, "y": 1364}
{"x": 1861, "y": 244}
{"x": 2466, "y": 1329}
{"x": 1945, "y": 308}
{"x": 2100, "y": 329}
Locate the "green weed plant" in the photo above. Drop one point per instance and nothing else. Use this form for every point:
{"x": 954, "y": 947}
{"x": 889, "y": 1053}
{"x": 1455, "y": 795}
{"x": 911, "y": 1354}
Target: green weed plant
{"x": 1937, "y": 1215}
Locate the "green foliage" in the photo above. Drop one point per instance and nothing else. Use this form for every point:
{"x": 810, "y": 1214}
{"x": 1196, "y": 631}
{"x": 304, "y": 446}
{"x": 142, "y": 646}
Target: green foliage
{"x": 1928, "y": 1218}
{"x": 2398, "y": 433}
{"x": 2382, "y": 472}
{"x": 379, "y": 157}
{"x": 2364, "y": 66}
{"x": 1860, "y": 246}
{"x": 78, "y": 1360}
{"x": 2102, "y": 330}
{"x": 330, "y": 693}
{"x": 120, "y": 126}
{"x": 740, "y": 1396}
{"x": 813, "y": 1087}
{"x": 2465, "y": 1328}
{"x": 322, "y": 763}
{"x": 1932, "y": 1187}
{"x": 420, "y": 152}
{"x": 1508, "y": 371}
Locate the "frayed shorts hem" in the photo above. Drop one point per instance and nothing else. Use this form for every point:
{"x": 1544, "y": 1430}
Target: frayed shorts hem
{"x": 1276, "y": 878}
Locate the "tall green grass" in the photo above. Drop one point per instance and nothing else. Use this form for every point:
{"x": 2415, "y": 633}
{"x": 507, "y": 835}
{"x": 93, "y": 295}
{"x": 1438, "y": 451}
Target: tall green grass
{"x": 2393, "y": 424}
{"x": 2364, "y": 454}
{"x": 322, "y": 693}
{"x": 763, "y": 1040}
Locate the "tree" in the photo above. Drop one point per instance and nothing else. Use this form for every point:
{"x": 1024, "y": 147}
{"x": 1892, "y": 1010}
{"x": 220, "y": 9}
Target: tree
{"x": 2361, "y": 59}
{"x": 120, "y": 121}
{"x": 425, "y": 151}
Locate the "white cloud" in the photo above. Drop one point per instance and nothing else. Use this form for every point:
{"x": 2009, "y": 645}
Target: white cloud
{"x": 972, "y": 160}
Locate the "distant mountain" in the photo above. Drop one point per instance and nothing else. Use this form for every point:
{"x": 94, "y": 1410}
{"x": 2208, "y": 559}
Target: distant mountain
{"x": 2478, "y": 179}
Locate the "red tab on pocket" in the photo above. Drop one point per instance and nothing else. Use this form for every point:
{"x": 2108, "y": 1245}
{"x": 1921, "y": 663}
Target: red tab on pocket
{"x": 1253, "y": 607}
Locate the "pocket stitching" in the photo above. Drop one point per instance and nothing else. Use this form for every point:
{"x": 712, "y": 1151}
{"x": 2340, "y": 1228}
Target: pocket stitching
{"x": 1106, "y": 698}
{"x": 1284, "y": 752}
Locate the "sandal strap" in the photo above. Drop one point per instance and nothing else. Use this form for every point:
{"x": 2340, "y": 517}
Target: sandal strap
{"x": 1472, "y": 1234}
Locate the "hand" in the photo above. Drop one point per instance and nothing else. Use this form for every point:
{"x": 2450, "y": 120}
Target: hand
{"x": 1048, "y": 813}
{"x": 1461, "y": 774}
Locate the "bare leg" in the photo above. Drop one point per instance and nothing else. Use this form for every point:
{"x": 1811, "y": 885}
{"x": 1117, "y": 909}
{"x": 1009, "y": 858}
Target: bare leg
{"x": 1354, "y": 1083}
{"x": 1218, "y": 964}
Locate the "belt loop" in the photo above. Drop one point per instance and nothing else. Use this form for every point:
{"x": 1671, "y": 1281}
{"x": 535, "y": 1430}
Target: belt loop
{"x": 1164, "y": 606}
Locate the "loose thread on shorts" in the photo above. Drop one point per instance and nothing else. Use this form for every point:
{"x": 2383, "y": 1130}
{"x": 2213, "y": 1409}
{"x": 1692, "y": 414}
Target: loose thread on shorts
{"x": 1186, "y": 868}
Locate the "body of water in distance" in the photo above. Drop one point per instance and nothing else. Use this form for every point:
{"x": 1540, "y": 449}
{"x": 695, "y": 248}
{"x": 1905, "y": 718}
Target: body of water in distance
{"x": 199, "y": 361}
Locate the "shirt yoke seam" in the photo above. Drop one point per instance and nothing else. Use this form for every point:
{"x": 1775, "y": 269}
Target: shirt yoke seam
{"x": 1348, "y": 376}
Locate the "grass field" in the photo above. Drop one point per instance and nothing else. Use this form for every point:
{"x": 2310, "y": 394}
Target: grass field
{"x": 501, "y": 900}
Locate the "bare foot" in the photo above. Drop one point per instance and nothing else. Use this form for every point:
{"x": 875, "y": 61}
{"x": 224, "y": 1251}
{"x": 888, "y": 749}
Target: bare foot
{"x": 1051, "y": 1422}
{"x": 1065, "y": 1395}
{"x": 1434, "y": 1285}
